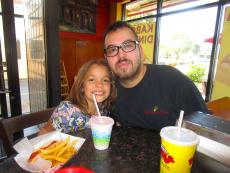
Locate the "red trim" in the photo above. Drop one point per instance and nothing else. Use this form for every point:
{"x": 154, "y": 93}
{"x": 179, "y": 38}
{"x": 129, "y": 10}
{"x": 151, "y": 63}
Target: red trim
{"x": 145, "y": 11}
{"x": 141, "y": 12}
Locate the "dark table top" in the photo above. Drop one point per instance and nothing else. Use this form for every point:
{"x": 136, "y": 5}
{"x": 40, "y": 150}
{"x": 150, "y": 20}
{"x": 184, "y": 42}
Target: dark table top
{"x": 131, "y": 150}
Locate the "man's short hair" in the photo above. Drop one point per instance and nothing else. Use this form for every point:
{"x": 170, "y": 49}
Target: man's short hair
{"x": 119, "y": 25}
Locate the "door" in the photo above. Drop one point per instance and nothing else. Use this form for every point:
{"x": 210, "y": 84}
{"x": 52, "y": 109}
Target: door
{"x": 42, "y": 40}
{"x": 41, "y": 44}
{"x": 36, "y": 54}
{"x": 3, "y": 90}
{"x": 9, "y": 85}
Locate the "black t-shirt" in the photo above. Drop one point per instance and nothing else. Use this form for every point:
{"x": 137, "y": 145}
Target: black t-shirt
{"x": 157, "y": 100}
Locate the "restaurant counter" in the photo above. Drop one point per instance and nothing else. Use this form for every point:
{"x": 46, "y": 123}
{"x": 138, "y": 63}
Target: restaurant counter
{"x": 131, "y": 150}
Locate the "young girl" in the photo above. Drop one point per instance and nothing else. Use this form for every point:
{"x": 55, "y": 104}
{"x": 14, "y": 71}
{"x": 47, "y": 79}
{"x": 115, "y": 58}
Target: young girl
{"x": 72, "y": 115}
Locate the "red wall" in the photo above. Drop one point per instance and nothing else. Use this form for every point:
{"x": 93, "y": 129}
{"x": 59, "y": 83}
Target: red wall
{"x": 103, "y": 19}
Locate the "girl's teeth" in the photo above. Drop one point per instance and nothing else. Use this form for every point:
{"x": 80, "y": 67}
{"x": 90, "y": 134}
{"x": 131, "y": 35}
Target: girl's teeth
{"x": 98, "y": 93}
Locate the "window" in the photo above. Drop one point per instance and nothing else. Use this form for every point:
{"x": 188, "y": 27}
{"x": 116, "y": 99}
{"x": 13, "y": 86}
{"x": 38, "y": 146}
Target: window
{"x": 185, "y": 34}
{"x": 183, "y": 43}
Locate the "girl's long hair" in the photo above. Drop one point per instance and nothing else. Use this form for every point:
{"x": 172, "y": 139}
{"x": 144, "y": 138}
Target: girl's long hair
{"x": 77, "y": 96}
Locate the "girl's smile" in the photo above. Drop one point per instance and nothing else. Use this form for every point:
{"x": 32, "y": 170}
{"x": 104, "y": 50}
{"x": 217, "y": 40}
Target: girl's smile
{"x": 97, "y": 81}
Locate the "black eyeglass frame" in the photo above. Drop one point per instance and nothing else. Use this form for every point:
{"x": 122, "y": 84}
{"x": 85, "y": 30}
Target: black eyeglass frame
{"x": 121, "y": 47}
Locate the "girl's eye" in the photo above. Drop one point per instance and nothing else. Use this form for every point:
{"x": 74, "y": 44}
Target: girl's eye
{"x": 91, "y": 80}
{"x": 106, "y": 81}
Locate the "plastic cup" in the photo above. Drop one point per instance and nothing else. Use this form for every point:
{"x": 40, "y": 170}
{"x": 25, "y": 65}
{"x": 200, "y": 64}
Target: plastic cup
{"x": 177, "y": 149}
{"x": 101, "y": 131}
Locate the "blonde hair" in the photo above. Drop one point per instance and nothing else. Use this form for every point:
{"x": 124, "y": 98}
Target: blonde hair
{"x": 77, "y": 96}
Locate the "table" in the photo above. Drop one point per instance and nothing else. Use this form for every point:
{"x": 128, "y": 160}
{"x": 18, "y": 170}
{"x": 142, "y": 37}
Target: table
{"x": 131, "y": 150}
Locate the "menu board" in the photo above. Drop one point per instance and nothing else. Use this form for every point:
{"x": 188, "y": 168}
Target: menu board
{"x": 222, "y": 79}
{"x": 146, "y": 34}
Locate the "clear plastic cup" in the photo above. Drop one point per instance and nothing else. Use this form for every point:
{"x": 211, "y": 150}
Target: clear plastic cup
{"x": 177, "y": 149}
{"x": 101, "y": 131}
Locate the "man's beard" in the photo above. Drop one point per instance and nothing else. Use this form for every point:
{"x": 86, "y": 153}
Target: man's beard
{"x": 125, "y": 74}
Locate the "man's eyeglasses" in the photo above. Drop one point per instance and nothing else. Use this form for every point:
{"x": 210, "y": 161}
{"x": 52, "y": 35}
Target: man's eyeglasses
{"x": 126, "y": 46}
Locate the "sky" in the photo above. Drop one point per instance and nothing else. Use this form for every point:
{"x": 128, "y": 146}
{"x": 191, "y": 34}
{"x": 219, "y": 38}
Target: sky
{"x": 198, "y": 25}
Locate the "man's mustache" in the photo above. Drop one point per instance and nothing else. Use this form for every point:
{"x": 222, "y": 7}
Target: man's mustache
{"x": 122, "y": 60}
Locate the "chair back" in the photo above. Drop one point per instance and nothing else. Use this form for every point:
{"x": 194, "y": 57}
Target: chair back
{"x": 10, "y": 126}
{"x": 220, "y": 107}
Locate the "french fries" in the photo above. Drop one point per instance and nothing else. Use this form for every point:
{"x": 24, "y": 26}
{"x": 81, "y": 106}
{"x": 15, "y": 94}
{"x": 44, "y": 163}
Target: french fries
{"x": 56, "y": 152}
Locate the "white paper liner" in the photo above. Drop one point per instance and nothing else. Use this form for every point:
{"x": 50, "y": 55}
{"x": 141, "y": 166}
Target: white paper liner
{"x": 25, "y": 147}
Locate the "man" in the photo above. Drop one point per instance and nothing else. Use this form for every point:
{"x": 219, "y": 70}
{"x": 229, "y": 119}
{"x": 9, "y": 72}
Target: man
{"x": 148, "y": 96}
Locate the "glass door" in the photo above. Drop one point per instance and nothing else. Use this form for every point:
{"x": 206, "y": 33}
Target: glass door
{"x": 10, "y": 85}
{"x": 26, "y": 38}
{"x": 3, "y": 91}
{"x": 36, "y": 54}
{"x": 20, "y": 59}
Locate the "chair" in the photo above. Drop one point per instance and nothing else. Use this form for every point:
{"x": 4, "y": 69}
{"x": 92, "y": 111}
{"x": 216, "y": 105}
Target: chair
{"x": 220, "y": 107}
{"x": 10, "y": 126}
